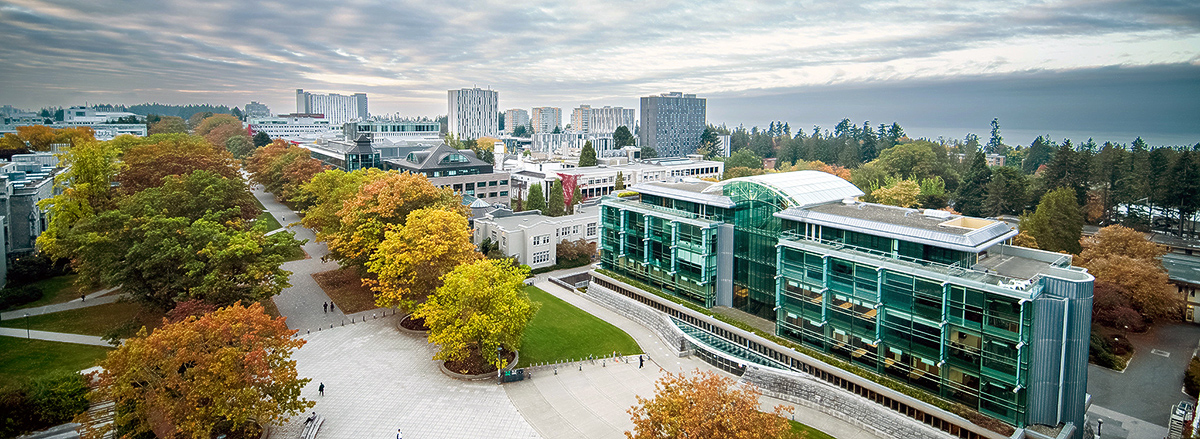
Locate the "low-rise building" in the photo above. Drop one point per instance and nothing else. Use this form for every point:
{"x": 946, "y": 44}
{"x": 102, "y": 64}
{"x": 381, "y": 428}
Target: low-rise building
{"x": 595, "y": 181}
{"x": 394, "y": 130}
{"x": 571, "y": 144}
{"x": 531, "y": 237}
{"x": 458, "y": 169}
{"x": 296, "y": 127}
{"x": 26, "y": 180}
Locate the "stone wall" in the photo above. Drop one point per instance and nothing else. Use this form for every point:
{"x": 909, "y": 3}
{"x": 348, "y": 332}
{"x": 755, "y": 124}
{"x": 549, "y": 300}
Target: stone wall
{"x": 800, "y": 389}
{"x": 657, "y": 322}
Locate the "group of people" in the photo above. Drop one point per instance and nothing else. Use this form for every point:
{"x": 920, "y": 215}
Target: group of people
{"x": 328, "y": 306}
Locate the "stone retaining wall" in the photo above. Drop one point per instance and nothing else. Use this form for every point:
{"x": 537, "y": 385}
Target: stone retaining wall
{"x": 657, "y": 322}
{"x": 801, "y": 389}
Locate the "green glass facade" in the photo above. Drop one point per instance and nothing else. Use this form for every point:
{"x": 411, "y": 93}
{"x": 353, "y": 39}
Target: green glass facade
{"x": 669, "y": 249}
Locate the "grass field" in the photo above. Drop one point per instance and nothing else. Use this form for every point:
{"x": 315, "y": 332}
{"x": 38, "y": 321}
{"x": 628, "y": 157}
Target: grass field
{"x": 93, "y": 320}
{"x": 58, "y": 289}
{"x": 813, "y": 433}
{"x": 345, "y": 288}
{"x": 562, "y": 332}
{"x": 270, "y": 223}
{"x": 22, "y": 360}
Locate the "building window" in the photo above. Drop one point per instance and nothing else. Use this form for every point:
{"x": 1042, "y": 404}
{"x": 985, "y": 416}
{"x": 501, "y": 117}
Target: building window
{"x": 491, "y": 183}
{"x": 591, "y": 229}
{"x": 503, "y": 182}
{"x": 491, "y": 195}
{"x": 575, "y": 229}
{"x": 503, "y": 193}
{"x": 542, "y": 256}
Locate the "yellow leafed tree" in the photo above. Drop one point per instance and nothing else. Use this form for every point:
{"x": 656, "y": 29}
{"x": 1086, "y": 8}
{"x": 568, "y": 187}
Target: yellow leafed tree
{"x": 411, "y": 260}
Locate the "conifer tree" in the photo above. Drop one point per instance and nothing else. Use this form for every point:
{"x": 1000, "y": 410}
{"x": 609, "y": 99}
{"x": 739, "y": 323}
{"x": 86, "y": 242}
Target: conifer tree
{"x": 587, "y": 157}
{"x": 536, "y": 201}
{"x": 973, "y": 190}
{"x": 556, "y": 205}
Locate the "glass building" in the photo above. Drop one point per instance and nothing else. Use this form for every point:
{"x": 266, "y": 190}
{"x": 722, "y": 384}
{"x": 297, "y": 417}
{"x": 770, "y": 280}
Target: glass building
{"x": 933, "y": 299}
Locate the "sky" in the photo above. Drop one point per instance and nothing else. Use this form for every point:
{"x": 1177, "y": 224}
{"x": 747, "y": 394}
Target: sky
{"x": 1108, "y": 69}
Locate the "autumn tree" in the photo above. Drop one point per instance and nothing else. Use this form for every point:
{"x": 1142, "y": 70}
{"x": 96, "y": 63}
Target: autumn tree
{"x": 86, "y": 188}
{"x": 902, "y": 193}
{"x": 1057, "y": 223}
{"x": 410, "y": 262}
{"x": 382, "y": 203}
{"x": 1118, "y": 240}
{"x": 169, "y": 125}
{"x": 212, "y": 122}
{"x": 282, "y": 168}
{"x": 162, "y": 155}
{"x": 322, "y": 197}
{"x": 480, "y": 308}
{"x": 705, "y": 405}
{"x": 536, "y": 200}
{"x": 1127, "y": 258}
{"x": 216, "y": 373}
{"x": 587, "y": 156}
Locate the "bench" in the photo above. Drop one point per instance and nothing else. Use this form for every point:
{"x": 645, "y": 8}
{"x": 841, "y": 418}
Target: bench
{"x": 311, "y": 425}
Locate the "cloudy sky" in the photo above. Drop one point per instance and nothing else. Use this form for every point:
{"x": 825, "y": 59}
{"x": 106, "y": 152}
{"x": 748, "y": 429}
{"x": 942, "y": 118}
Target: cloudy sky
{"x": 1110, "y": 69}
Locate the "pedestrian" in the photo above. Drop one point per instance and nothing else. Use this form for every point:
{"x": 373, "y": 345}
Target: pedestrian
{"x": 321, "y": 389}
{"x": 325, "y": 307}
{"x": 398, "y": 434}
{"x": 641, "y": 361}
{"x": 332, "y": 307}
{"x": 82, "y": 297}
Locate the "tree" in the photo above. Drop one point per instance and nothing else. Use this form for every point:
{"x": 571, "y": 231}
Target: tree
{"x": 1068, "y": 168}
{"x": 1006, "y": 192}
{"x": 619, "y": 184}
{"x": 1057, "y": 223}
{"x": 203, "y": 375}
{"x": 902, "y": 193}
{"x": 536, "y": 201}
{"x": 197, "y": 118}
{"x": 622, "y": 137}
{"x": 744, "y": 158}
{"x": 646, "y": 152}
{"x": 705, "y": 405}
{"x": 576, "y": 198}
{"x": 282, "y": 168}
{"x": 481, "y": 308}
{"x": 322, "y": 197}
{"x": 86, "y": 185}
{"x": 161, "y": 155}
{"x": 1037, "y": 155}
{"x": 240, "y": 146}
{"x": 200, "y": 194}
{"x": 556, "y": 204}
{"x": 995, "y": 144}
{"x": 741, "y": 171}
{"x": 382, "y": 203}
{"x": 1149, "y": 291}
{"x": 973, "y": 191}
{"x": 411, "y": 260}
{"x": 169, "y": 125}
{"x": 587, "y": 157}
{"x": 911, "y": 161}
{"x": 261, "y": 139}
{"x": 1119, "y": 240}
{"x": 1184, "y": 187}
{"x": 933, "y": 193}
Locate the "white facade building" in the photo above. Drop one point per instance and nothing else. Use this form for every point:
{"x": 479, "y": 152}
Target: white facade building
{"x": 394, "y": 130}
{"x": 473, "y": 113}
{"x": 295, "y": 127}
{"x": 338, "y": 109}
{"x": 546, "y": 119}
{"x": 604, "y": 120}
{"x": 595, "y": 181}
{"x": 83, "y": 116}
{"x": 531, "y": 237}
{"x": 255, "y": 109}
{"x": 514, "y": 118}
{"x": 571, "y": 143}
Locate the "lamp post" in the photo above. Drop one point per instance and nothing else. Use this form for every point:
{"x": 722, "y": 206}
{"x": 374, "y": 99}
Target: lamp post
{"x": 1099, "y": 425}
{"x": 499, "y": 370}
{"x": 27, "y": 326}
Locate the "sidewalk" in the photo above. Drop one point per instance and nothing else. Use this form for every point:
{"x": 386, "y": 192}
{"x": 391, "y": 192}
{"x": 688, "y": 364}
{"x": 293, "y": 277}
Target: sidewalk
{"x": 592, "y": 403}
{"x": 92, "y": 300}
{"x": 55, "y": 336}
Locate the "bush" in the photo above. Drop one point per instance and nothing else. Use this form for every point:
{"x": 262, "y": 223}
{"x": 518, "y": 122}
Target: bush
{"x": 32, "y": 268}
{"x": 1100, "y": 352}
{"x": 42, "y": 403}
{"x": 14, "y": 297}
{"x": 1191, "y": 378}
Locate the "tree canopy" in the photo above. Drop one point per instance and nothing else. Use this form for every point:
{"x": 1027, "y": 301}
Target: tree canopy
{"x": 536, "y": 201}
{"x": 705, "y": 405}
{"x": 556, "y": 205}
{"x": 1057, "y": 223}
{"x": 222, "y": 370}
{"x": 480, "y": 308}
{"x": 152, "y": 158}
{"x": 411, "y": 260}
{"x": 587, "y": 157}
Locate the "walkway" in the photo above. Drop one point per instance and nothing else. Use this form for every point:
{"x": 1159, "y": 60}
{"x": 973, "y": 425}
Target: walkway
{"x": 54, "y": 336}
{"x": 96, "y": 298}
{"x": 592, "y": 403}
{"x": 300, "y": 302}
{"x": 378, "y": 379}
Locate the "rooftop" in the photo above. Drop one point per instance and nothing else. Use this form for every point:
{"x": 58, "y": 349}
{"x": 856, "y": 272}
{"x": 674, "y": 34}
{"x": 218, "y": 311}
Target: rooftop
{"x": 526, "y": 219}
{"x": 1182, "y": 268}
{"x": 932, "y": 227}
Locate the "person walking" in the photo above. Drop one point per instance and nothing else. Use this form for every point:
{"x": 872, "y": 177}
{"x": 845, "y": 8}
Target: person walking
{"x": 332, "y": 307}
{"x": 321, "y": 389}
{"x": 398, "y": 434}
{"x": 325, "y": 307}
{"x": 641, "y": 361}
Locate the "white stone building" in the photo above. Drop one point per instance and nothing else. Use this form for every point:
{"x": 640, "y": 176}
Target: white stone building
{"x": 338, "y": 109}
{"x": 296, "y": 127}
{"x": 531, "y": 237}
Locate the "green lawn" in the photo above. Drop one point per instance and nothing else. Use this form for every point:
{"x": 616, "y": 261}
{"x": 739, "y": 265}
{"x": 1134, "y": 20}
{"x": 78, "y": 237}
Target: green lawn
{"x": 58, "y": 289}
{"x": 813, "y": 433}
{"x": 22, "y": 360}
{"x": 269, "y": 220}
{"x": 562, "y": 332}
{"x": 270, "y": 223}
{"x": 93, "y": 320}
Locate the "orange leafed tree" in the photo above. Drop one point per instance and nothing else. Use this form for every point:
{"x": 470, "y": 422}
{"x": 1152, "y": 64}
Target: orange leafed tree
{"x": 203, "y": 375}
{"x": 1118, "y": 240}
{"x": 380, "y": 204}
{"x": 162, "y": 155}
{"x": 411, "y": 260}
{"x": 283, "y": 168}
{"x": 705, "y": 405}
{"x": 1128, "y": 258}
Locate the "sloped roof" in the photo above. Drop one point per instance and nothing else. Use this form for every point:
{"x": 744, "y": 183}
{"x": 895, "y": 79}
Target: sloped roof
{"x": 433, "y": 158}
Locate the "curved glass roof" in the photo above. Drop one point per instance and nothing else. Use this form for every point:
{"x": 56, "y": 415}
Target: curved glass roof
{"x": 800, "y": 188}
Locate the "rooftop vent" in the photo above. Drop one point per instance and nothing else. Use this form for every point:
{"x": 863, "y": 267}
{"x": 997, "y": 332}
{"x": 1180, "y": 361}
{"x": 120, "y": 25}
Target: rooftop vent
{"x": 937, "y": 213}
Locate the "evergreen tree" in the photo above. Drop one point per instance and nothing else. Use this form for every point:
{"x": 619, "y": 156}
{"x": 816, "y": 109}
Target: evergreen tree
{"x": 1057, "y": 224}
{"x": 1068, "y": 168}
{"x": 1037, "y": 155}
{"x": 622, "y": 137}
{"x": 973, "y": 191}
{"x": 537, "y": 200}
{"x": 587, "y": 157}
{"x": 1006, "y": 193}
{"x": 869, "y": 150}
{"x": 576, "y": 198}
{"x": 648, "y": 152}
{"x": 261, "y": 139}
{"x": 995, "y": 144}
{"x": 556, "y": 205}
{"x": 1184, "y": 186}
{"x": 620, "y": 183}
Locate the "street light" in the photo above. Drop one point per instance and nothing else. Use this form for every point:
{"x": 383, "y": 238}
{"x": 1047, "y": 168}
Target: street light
{"x": 498, "y": 368}
{"x": 27, "y": 326}
{"x": 1099, "y": 425}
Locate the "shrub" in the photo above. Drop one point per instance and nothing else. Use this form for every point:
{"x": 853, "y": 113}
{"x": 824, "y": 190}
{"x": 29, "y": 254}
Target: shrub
{"x": 13, "y": 297}
{"x": 42, "y": 403}
{"x": 32, "y": 268}
{"x": 1100, "y": 353}
{"x": 1191, "y": 378}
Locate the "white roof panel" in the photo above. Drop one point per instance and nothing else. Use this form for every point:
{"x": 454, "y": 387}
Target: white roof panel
{"x": 801, "y": 188}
